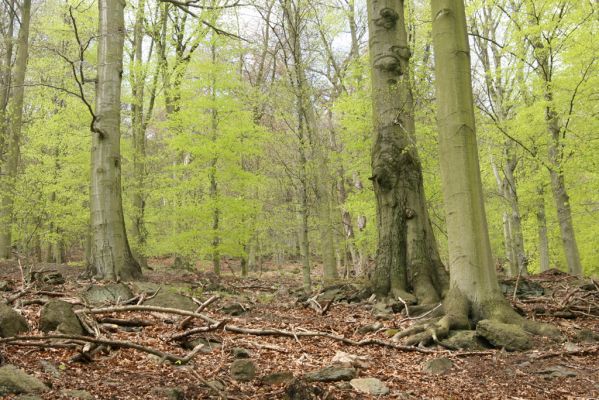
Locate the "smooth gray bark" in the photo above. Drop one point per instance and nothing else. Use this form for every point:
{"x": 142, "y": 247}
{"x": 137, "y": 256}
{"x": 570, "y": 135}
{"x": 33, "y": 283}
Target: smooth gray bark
{"x": 111, "y": 257}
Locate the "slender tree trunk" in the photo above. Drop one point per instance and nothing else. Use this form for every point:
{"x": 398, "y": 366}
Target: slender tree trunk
{"x": 138, "y": 228}
{"x": 111, "y": 257}
{"x": 544, "y": 70}
{"x": 216, "y": 257}
{"x": 542, "y": 231}
{"x": 14, "y": 118}
{"x": 407, "y": 259}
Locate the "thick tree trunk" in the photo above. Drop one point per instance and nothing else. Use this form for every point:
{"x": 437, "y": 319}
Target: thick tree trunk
{"x": 407, "y": 259}
{"x": 542, "y": 231}
{"x": 471, "y": 264}
{"x": 111, "y": 257}
{"x": 12, "y": 137}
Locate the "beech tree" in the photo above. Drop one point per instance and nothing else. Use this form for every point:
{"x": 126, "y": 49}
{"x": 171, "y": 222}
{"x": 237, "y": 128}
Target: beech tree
{"x": 474, "y": 292}
{"x": 407, "y": 258}
{"x": 111, "y": 257}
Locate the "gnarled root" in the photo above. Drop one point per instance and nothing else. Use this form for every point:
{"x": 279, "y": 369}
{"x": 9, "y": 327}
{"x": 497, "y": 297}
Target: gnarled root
{"x": 461, "y": 314}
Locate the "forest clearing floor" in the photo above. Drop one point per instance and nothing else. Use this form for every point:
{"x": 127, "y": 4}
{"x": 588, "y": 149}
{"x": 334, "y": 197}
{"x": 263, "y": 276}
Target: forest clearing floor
{"x": 550, "y": 370}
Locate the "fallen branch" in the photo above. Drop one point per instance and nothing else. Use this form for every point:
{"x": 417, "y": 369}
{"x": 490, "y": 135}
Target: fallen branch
{"x": 201, "y": 308}
{"x": 209, "y": 328}
{"x": 113, "y": 343}
{"x": 578, "y": 352}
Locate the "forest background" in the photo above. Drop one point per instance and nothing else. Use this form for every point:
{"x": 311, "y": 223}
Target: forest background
{"x": 218, "y": 164}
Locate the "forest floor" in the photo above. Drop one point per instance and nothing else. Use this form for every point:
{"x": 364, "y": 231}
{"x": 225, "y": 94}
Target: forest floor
{"x": 551, "y": 370}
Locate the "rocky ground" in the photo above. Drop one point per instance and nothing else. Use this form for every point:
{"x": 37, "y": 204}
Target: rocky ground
{"x": 188, "y": 335}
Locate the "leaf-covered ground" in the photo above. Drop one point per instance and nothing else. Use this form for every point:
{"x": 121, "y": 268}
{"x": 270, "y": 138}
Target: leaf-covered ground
{"x": 551, "y": 370}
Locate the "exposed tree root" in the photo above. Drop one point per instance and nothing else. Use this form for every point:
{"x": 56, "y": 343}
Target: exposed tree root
{"x": 461, "y": 314}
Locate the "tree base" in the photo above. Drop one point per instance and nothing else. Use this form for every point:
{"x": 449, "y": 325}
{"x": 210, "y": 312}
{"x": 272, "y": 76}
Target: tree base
{"x": 494, "y": 320}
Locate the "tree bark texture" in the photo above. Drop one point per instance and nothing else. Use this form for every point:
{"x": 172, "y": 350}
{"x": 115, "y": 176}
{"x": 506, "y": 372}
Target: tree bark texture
{"x": 472, "y": 272}
{"x": 111, "y": 257}
{"x": 407, "y": 259}
{"x": 542, "y": 231}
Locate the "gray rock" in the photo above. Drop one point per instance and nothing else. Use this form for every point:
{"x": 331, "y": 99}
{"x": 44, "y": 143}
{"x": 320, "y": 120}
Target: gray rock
{"x": 234, "y": 309}
{"x": 463, "y": 340}
{"x": 299, "y": 389}
{"x": 11, "y": 322}
{"x": 5, "y": 286}
{"x": 15, "y": 381}
{"x": 28, "y": 397}
{"x": 168, "y": 299}
{"x": 147, "y": 288}
{"x": 170, "y": 393}
{"x": 243, "y": 370}
{"x": 557, "y": 371}
{"x": 370, "y": 328}
{"x": 209, "y": 345}
{"x": 277, "y": 378}
{"x": 97, "y": 295}
{"x": 77, "y": 394}
{"x": 507, "y": 336}
{"x": 586, "y": 336}
{"x": 50, "y": 368}
{"x": 332, "y": 374}
{"x": 370, "y": 386}
{"x": 58, "y": 315}
{"x": 382, "y": 311}
{"x": 239, "y": 352}
{"x": 437, "y": 366}
{"x": 217, "y": 384}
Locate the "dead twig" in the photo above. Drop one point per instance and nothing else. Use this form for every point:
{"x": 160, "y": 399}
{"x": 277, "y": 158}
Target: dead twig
{"x": 201, "y": 308}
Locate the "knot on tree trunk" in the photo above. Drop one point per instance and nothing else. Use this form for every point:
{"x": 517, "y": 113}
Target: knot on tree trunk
{"x": 388, "y": 18}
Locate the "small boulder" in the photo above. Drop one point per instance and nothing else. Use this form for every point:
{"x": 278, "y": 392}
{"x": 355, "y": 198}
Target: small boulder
{"x": 169, "y": 393}
{"x": 437, "y": 366}
{"x": 58, "y": 315}
{"x": 97, "y": 295}
{"x": 299, "y": 389}
{"x": 15, "y": 381}
{"x": 370, "y": 386}
{"x": 209, "y": 345}
{"x": 332, "y": 374}
{"x": 243, "y": 370}
{"x": 239, "y": 352}
{"x": 168, "y": 299}
{"x": 234, "y": 309}
{"x": 277, "y": 378}
{"x": 5, "y": 286}
{"x": 370, "y": 328}
{"x": 586, "y": 336}
{"x": 507, "y": 336}
{"x": 11, "y": 322}
{"x": 463, "y": 340}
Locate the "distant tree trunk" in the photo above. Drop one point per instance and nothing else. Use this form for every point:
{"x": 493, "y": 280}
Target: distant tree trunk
{"x": 212, "y": 176}
{"x": 555, "y": 129}
{"x": 12, "y": 137}
{"x": 111, "y": 257}
{"x": 542, "y": 230}
{"x": 138, "y": 228}
{"x": 407, "y": 259}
